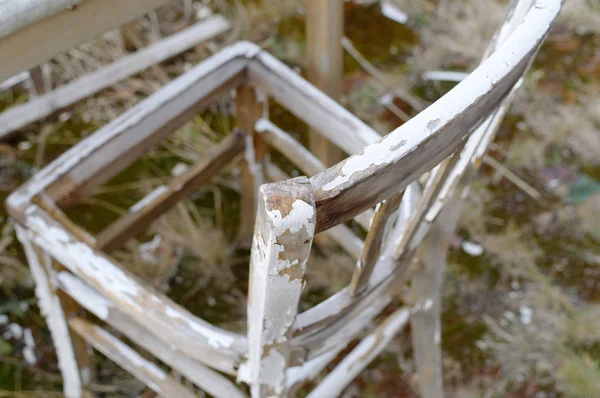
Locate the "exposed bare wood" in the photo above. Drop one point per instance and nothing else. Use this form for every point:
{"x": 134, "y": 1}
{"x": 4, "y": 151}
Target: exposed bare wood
{"x": 147, "y": 372}
{"x": 68, "y": 94}
{"x": 340, "y": 234}
{"x": 324, "y": 32}
{"x": 152, "y": 310}
{"x": 205, "y": 378}
{"x": 337, "y": 380}
{"x": 23, "y": 49}
{"x": 164, "y": 197}
{"x": 300, "y": 156}
{"x": 39, "y": 82}
{"x": 248, "y": 109}
{"x": 282, "y": 241}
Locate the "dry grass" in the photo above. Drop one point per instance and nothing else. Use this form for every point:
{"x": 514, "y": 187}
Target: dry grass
{"x": 457, "y": 35}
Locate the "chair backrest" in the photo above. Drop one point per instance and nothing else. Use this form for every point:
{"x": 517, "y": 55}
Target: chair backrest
{"x": 282, "y": 348}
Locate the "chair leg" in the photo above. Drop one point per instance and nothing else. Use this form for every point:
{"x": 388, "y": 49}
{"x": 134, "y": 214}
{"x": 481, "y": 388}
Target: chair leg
{"x": 248, "y": 109}
{"x": 283, "y": 236}
{"x": 75, "y": 357}
{"x": 426, "y": 286}
{"x": 426, "y": 290}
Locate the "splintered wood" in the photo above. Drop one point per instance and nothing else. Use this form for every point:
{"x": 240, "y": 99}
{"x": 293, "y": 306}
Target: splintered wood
{"x": 404, "y": 189}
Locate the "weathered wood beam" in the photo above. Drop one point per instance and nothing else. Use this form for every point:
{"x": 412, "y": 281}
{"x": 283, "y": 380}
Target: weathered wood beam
{"x": 205, "y": 378}
{"x": 282, "y": 241}
{"x": 38, "y": 42}
{"x": 161, "y": 199}
{"x": 45, "y": 105}
{"x": 147, "y": 372}
{"x": 54, "y": 315}
{"x": 248, "y": 109}
{"x": 174, "y": 325}
{"x": 389, "y": 165}
{"x": 300, "y": 156}
{"x": 324, "y": 32}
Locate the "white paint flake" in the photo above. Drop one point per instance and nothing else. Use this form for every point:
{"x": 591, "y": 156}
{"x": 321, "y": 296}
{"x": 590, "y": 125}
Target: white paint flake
{"x": 146, "y": 200}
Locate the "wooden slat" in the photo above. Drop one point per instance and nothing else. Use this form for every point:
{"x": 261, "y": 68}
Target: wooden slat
{"x": 309, "y": 104}
{"x": 282, "y": 241}
{"x": 304, "y": 159}
{"x": 147, "y": 372}
{"x": 324, "y": 32}
{"x": 89, "y": 84}
{"x": 54, "y": 315}
{"x": 248, "y": 109}
{"x": 371, "y": 346}
{"x": 98, "y": 158}
{"x": 389, "y": 165}
{"x": 38, "y": 42}
{"x": 174, "y": 325}
{"x": 164, "y": 197}
{"x": 205, "y": 378}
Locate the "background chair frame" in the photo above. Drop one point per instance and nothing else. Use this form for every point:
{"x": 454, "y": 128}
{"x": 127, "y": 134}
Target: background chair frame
{"x": 283, "y": 348}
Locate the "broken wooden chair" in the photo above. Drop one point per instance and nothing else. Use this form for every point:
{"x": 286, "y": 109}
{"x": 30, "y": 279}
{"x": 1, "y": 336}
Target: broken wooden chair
{"x": 406, "y": 188}
{"x": 38, "y": 26}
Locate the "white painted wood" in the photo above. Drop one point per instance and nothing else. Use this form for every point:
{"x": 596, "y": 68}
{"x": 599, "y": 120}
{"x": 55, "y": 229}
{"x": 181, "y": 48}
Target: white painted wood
{"x": 205, "y": 378}
{"x": 340, "y": 234}
{"x": 147, "y": 372}
{"x": 129, "y": 135}
{"x": 309, "y": 104}
{"x": 14, "y": 80}
{"x": 52, "y": 312}
{"x": 172, "y": 324}
{"x": 16, "y": 14}
{"x": 282, "y": 240}
{"x": 300, "y": 156}
{"x": 361, "y": 356}
{"x": 72, "y": 92}
{"x": 40, "y": 41}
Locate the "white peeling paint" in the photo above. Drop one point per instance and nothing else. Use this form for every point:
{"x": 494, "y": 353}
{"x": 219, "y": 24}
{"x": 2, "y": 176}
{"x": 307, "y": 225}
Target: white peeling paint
{"x": 55, "y": 318}
{"x": 85, "y": 295}
{"x": 146, "y": 200}
{"x": 215, "y": 338}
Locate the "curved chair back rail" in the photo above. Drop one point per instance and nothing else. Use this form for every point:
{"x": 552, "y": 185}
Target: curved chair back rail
{"x": 410, "y": 176}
